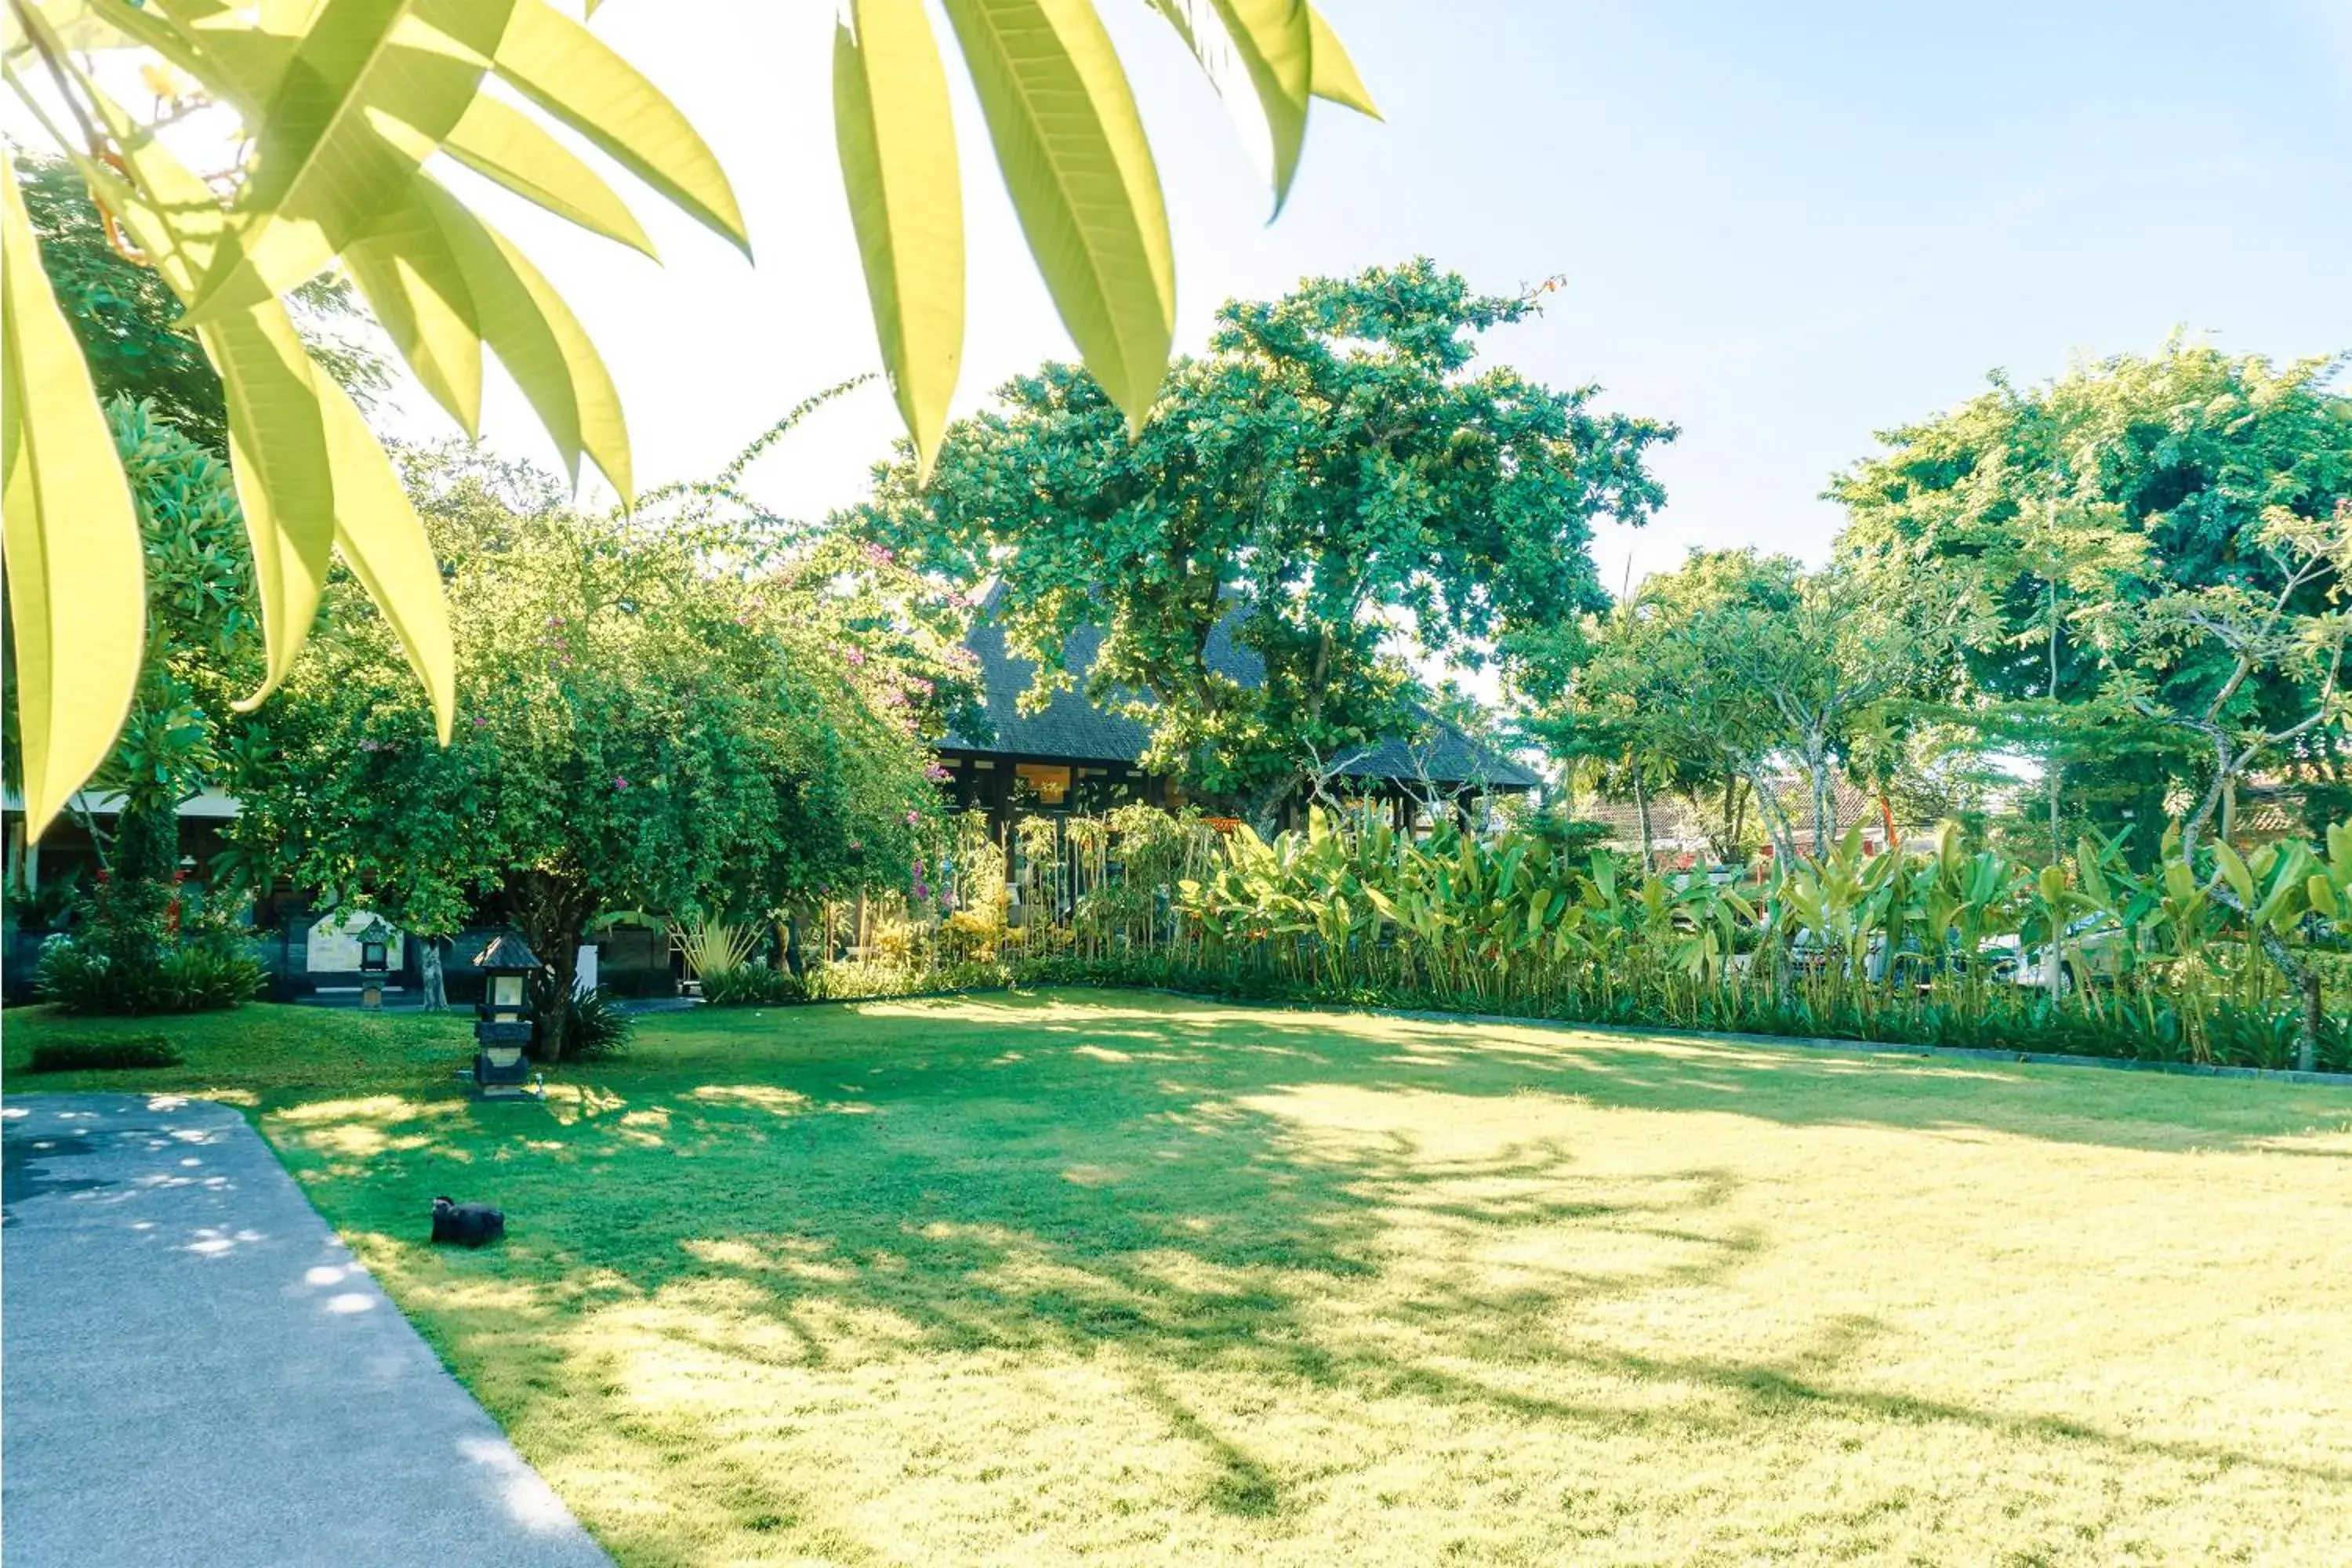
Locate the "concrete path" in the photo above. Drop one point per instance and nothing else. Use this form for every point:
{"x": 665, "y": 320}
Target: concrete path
{"x": 198, "y": 1376}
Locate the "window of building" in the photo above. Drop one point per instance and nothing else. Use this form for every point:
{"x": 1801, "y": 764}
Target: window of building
{"x": 1043, "y": 783}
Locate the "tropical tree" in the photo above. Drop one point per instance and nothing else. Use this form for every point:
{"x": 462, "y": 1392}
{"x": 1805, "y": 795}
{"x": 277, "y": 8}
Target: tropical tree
{"x": 336, "y": 108}
{"x": 684, "y": 711}
{"x": 1739, "y": 663}
{"x": 2056, "y": 507}
{"x": 1336, "y": 480}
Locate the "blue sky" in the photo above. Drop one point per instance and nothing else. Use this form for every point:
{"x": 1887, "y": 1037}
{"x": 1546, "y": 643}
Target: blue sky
{"x": 1783, "y": 226}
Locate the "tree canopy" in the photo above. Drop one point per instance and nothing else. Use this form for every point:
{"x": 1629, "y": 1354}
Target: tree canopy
{"x": 683, "y": 711}
{"x": 2060, "y": 508}
{"x": 1335, "y": 482}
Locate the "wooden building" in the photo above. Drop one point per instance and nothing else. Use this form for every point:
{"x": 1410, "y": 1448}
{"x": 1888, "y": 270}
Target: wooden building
{"x": 1073, "y": 758}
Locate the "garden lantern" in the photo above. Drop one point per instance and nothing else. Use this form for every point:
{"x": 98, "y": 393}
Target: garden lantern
{"x": 504, "y": 1014}
{"x": 376, "y": 949}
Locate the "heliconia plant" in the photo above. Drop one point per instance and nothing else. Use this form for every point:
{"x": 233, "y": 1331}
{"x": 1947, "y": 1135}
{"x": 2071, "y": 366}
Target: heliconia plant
{"x": 1954, "y": 944}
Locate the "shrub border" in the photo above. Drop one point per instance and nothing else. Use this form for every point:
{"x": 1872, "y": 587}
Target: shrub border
{"x": 1802, "y": 1042}
{"x": 1629, "y": 1031}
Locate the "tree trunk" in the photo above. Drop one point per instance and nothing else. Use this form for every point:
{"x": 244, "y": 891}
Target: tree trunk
{"x": 555, "y": 910}
{"x": 2057, "y": 847}
{"x": 1817, "y": 759}
{"x": 2306, "y": 1043}
{"x": 1642, "y": 807}
{"x": 428, "y": 963}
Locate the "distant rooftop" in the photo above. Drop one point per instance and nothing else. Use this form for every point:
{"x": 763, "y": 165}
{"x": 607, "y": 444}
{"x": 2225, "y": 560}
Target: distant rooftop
{"x": 1071, "y": 729}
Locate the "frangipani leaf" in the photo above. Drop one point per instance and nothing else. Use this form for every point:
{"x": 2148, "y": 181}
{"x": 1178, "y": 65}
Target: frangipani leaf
{"x": 77, "y": 583}
{"x": 370, "y": 92}
{"x": 415, "y": 285}
{"x": 315, "y": 478}
{"x": 537, "y": 338}
{"x": 386, "y": 547}
{"x": 1081, "y": 176}
{"x": 1258, "y": 55}
{"x": 500, "y": 142}
{"x": 896, "y": 138}
{"x": 1335, "y": 78}
{"x": 565, "y": 69}
{"x": 285, "y": 482}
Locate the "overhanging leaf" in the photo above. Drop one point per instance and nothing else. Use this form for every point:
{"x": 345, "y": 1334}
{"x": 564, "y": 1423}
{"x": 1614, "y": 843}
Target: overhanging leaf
{"x": 500, "y": 142}
{"x": 1080, "y": 173}
{"x": 565, "y": 69}
{"x": 77, "y": 587}
{"x": 417, "y": 289}
{"x": 896, "y": 138}
{"x": 1335, "y": 78}
{"x": 372, "y": 90}
{"x": 537, "y": 338}
{"x": 1259, "y": 55}
{"x": 387, "y": 547}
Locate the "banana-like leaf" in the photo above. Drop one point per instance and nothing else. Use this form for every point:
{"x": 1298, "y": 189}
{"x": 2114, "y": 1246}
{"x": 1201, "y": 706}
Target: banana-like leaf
{"x": 417, "y": 290}
{"x": 2322, "y": 894}
{"x": 567, "y": 70}
{"x": 77, "y": 588}
{"x": 371, "y": 91}
{"x": 1334, "y": 80}
{"x": 896, "y": 137}
{"x": 1080, "y": 174}
{"x": 537, "y": 338}
{"x": 1259, "y": 55}
{"x": 2094, "y": 881}
{"x": 500, "y": 142}
{"x": 2234, "y": 872}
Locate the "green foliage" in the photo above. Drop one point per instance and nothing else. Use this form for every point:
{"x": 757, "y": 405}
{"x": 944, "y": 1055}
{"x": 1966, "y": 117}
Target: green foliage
{"x": 695, "y": 711}
{"x": 587, "y": 1028}
{"x": 1950, "y": 948}
{"x": 85, "y": 973}
{"x": 340, "y": 108}
{"x": 2065, "y": 511}
{"x": 1335, "y": 462}
{"x": 1711, "y": 677}
{"x": 122, "y": 312}
{"x": 753, "y": 985}
{"x": 103, "y": 1053}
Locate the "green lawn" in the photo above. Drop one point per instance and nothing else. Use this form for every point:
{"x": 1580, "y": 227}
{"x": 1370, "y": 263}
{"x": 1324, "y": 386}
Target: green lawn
{"x": 1121, "y": 1279}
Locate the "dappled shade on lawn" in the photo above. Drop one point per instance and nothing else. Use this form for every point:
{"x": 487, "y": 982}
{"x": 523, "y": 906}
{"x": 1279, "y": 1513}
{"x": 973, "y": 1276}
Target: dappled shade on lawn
{"x": 1139, "y": 1280}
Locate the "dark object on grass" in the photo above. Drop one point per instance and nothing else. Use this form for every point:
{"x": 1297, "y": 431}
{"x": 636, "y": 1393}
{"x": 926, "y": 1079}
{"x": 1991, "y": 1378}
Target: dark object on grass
{"x": 467, "y": 1224}
{"x": 101, "y": 1052}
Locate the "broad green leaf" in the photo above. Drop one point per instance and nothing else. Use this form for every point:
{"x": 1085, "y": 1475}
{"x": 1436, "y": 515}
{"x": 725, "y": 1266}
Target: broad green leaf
{"x": 500, "y": 142}
{"x": 417, "y": 289}
{"x": 537, "y": 338}
{"x": 285, "y": 481}
{"x": 1258, "y": 55}
{"x": 565, "y": 69}
{"x": 1080, "y": 174}
{"x": 2094, "y": 881}
{"x": 380, "y": 536}
{"x": 371, "y": 90}
{"x": 370, "y": 518}
{"x": 896, "y": 138}
{"x": 2234, "y": 872}
{"x": 277, "y": 437}
{"x": 77, "y": 584}
{"x": 1335, "y": 78}
{"x": 2322, "y": 894}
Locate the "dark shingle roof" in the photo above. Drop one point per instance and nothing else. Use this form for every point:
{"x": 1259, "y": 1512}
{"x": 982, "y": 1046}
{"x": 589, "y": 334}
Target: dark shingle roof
{"x": 1070, "y": 728}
